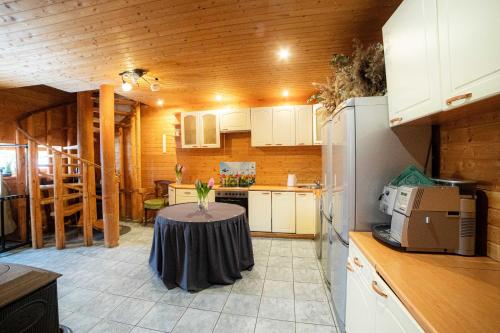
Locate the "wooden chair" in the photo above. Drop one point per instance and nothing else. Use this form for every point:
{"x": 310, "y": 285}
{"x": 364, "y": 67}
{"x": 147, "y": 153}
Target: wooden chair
{"x": 158, "y": 199}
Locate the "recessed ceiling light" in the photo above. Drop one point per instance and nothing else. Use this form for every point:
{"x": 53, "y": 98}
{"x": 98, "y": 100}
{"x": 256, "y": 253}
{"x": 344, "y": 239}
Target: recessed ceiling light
{"x": 218, "y": 98}
{"x": 159, "y": 102}
{"x": 285, "y": 93}
{"x": 284, "y": 54}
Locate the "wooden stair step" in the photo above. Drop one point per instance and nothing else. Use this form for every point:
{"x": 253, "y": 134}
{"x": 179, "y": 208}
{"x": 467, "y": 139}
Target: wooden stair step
{"x": 70, "y": 210}
{"x": 70, "y": 164}
{"x": 49, "y": 200}
{"x": 75, "y": 186}
{"x": 99, "y": 225}
{"x": 73, "y": 147}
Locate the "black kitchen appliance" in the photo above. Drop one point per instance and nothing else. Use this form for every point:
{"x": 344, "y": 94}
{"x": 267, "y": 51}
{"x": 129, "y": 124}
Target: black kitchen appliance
{"x": 233, "y": 197}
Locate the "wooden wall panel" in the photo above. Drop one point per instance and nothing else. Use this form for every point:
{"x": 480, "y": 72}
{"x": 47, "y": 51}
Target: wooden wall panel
{"x": 273, "y": 164}
{"x": 470, "y": 149}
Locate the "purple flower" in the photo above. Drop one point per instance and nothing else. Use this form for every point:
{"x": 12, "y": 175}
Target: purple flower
{"x": 211, "y": 182}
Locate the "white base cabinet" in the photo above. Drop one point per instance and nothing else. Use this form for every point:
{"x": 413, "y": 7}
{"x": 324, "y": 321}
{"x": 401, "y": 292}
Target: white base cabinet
{"x": 259, "y": 210}
{"x": 171, "y": 195}
{"x": 305, "y": 213}
{"x": 371, "y": 304}
{"x": 283, "y": 214}
{"x": 189, "y": 195}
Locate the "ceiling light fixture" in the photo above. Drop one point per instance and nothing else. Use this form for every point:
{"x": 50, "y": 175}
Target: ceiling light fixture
{"x": 284, "y": 54}
{"x": 134, "y": 76}
{"x": 285, "y": 93}
{"x": 218, "y": 98}
{"x": 159, "y": 102}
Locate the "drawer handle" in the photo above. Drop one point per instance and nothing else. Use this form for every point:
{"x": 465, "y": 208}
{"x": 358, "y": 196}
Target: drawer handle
{"x": 277, "y": 193}
{"x": 457, "y": 98}
{"x": 357, "y": 262}
{"x": 301, "y": 194}
{"x": 225, "y": 129}
{"x": 377, "y": 289}
{"x": 265, "y": 193}
{"x": 269, "y": 144}
{"x": 349, "y": 267}
{"x": 279, "y": 144}
{"x": 188, "y": 193}
{"x": 393, "y": 120}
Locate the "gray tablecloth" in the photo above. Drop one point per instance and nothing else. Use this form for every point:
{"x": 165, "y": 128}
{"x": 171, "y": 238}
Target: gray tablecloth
{"x": 193, "y": 249}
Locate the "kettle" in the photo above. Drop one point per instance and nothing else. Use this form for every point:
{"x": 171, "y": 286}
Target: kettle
{"x": 292, "y": 180}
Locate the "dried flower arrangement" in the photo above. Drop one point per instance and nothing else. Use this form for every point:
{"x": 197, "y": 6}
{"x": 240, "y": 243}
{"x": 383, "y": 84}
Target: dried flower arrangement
{"x": 361, "y": 74}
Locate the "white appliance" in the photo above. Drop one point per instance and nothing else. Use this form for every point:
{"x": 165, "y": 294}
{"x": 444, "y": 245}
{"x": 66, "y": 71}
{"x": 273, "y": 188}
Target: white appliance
{"x": 292, "y": 180}
{"x": 361, "y": 154}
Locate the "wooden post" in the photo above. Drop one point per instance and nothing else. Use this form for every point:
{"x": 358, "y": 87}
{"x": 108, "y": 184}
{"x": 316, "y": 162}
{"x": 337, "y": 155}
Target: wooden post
{"x": 34, "y": 189}
{"x": 85, "y": 136}
{"x": 109, "y": 182}
{"x": 130, "y": 143}
{"x": 138, "y": 189}
{"x": 123, "y": 211}
{"x": 58, "y": 201}
{"x": 21, "y": 185}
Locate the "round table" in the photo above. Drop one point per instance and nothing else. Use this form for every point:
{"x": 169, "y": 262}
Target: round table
{"x": 194, "y": 249}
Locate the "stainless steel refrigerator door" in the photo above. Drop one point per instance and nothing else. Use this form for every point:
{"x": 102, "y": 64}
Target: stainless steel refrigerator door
{"x": 339, "y": 252}
{"x": 317, "y": 235}
{"x": 344, "y": 171}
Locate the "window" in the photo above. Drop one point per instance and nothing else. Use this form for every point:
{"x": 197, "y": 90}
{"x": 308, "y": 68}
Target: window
{"x": 8, "y": 159}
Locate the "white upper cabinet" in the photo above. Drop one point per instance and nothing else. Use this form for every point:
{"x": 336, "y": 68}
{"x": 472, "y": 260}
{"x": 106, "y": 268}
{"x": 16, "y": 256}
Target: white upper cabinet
{"x": 469, "y": 41}
{"x": 262, "y": 126}
{"x": 303, "y": 125}
{"x": 317, "y": 124}
{"x": 284, "y": 126}
{"x": 189, "y": 130}
{"x": 209, "y": 129}
{"x": 412, "y": 61}
{"x": 235, "y": 120}
{"x": 200, "y": 129}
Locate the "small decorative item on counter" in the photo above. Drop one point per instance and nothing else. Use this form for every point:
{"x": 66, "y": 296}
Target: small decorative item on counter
{"x": 202, "y": 191}
{"x": 179, "y": 170}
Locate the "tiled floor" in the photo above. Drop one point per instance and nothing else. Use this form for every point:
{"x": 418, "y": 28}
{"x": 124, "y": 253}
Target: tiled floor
{"x": 114, "y": 290}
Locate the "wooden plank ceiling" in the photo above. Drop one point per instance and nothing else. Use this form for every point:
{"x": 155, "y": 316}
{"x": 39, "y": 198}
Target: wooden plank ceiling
{"x": 196, "y": 48}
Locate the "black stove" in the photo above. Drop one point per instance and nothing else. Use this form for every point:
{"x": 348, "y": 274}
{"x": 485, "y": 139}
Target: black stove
{"x": 236, "y": 197}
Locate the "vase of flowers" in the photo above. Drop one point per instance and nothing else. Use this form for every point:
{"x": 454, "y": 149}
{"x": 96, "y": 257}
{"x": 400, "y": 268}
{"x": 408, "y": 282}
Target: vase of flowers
{"x": 202, "y": 191}
{"x": 179, "y": 170}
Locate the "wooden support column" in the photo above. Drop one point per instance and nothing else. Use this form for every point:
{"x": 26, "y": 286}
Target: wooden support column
{"x": 85, "y": 137}
{"x": 58, "y": 202}
{"x": 130, "y": 142}
{"x": 137, "y": 193}
{"x": 34, "y": 189}
{"x": 21, "y": 185}
{"x": 121, "y": 163}
{"x": 109, "y": 181}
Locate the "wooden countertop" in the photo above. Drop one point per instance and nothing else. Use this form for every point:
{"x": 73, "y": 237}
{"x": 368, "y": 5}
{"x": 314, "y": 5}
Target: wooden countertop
{"x": 444, "y": 293}
{"x": 251, "y": 188}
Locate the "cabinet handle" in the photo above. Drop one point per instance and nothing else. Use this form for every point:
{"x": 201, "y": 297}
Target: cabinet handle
{"x": 265, "y": 193}
{"x": 457, "y": 98}
{"x": 204, "y": 146}
{"x": 187, "y": 193}
{"x": 357, "y": 262}
{"x": 377, "y": 289}
{"x": 300, "y": 144}
{"x": 301, "y": 194}
{"x": 269, "y": 144}
{"x": 393, "y": 120}
{"x": 279, "y": 144}
{"x": 277, "y": 193}
{"x": 349, "y": 267}
{"x": 225, "y": 129}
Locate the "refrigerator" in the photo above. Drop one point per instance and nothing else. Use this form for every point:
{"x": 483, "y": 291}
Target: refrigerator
{"x": 361, "y": 154}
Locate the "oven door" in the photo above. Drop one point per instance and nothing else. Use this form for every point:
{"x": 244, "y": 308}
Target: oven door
{"x": 243, "y": 202}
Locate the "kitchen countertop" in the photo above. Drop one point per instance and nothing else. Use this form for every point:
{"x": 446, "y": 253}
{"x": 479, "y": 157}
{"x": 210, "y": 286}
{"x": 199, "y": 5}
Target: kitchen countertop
{"x": 251, "y": 188}
{"x": 444, "y": 293}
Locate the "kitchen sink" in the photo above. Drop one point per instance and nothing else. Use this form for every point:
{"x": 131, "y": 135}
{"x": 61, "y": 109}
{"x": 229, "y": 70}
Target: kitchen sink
{"x": 309, "y": 186}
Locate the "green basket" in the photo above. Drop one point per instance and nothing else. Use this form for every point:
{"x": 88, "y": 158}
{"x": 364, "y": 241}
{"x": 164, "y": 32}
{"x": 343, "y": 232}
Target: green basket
{"x": 412, "y": 176}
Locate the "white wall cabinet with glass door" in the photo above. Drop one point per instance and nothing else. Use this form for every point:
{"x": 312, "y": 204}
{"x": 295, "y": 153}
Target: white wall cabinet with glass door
{"x": 200, "y": 129}
{"x": 303, "y": 125}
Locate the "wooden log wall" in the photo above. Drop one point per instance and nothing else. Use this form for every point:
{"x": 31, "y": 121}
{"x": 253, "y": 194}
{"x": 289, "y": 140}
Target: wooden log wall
{"x": 470, "y": 149}
{"x": 273, "y": 164}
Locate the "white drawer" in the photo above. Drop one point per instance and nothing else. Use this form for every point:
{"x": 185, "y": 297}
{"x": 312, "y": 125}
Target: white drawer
{"x": 359, "y": 262}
